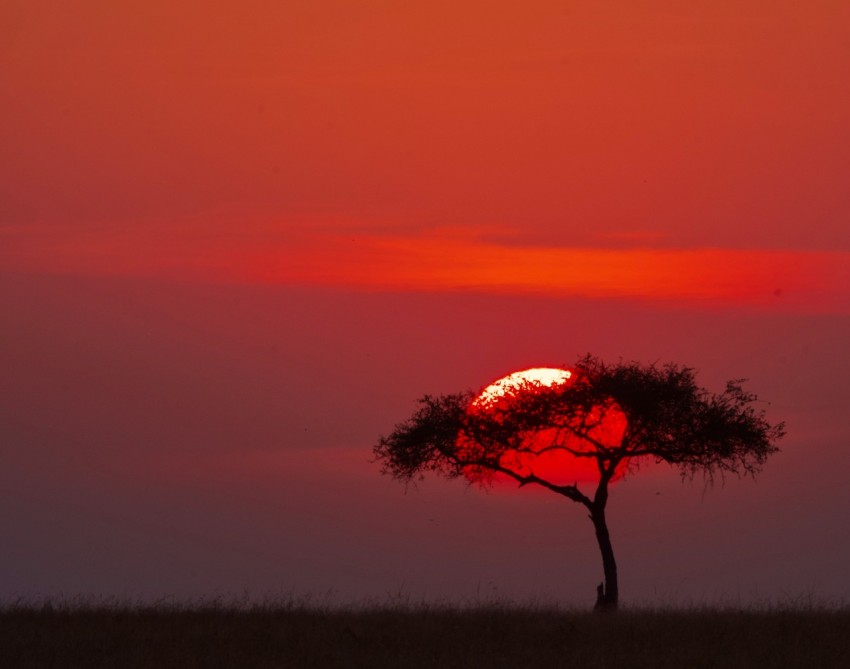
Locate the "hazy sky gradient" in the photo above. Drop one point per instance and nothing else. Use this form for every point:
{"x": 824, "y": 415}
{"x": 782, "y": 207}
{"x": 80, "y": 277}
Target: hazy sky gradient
{"x": 237, "y": 241}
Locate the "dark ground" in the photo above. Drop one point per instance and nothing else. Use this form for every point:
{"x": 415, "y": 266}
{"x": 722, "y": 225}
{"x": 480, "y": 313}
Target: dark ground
{"x": 425, "y": 636}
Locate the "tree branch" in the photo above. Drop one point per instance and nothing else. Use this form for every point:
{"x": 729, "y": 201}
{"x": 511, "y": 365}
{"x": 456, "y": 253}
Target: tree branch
{"x": 570, "y": 491}
{"x": 559, "y": 447}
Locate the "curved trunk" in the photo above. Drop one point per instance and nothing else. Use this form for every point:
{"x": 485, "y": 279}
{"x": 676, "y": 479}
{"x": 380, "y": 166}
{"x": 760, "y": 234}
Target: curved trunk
{"x": 607, "y": 594}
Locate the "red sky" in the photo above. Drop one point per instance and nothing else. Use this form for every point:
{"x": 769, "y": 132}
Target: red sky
{"x": 220, "y": 222}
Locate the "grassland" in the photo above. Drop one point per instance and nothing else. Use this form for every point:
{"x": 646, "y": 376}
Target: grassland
{"x": 492, "y": 636}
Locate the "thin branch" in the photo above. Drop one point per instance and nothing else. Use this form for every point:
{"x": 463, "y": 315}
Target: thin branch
{"x": 560, "y": 447}
{"x": 570, "y": 491}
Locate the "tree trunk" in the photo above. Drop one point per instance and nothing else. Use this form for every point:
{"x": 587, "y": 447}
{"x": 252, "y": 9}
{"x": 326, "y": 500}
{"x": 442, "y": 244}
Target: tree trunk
{"x": 607, "y": 594}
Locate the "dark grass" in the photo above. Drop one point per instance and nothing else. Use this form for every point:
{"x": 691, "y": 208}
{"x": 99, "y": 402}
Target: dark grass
{"x": 493, "y": 636}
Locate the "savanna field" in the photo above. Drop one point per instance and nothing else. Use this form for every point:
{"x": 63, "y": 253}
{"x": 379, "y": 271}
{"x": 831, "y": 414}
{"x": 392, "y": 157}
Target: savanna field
{"x": 492, "y": 635}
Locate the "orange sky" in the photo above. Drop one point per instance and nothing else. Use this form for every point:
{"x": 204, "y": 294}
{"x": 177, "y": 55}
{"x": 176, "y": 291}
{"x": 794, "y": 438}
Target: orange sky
{"x": 237, "y": 239}
{"x": 546, "y": 132}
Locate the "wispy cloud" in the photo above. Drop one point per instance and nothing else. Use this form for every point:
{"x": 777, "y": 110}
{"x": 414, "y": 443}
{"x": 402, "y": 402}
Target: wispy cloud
{"x": 816, "y": 280}
{"x": 460, "y": 261}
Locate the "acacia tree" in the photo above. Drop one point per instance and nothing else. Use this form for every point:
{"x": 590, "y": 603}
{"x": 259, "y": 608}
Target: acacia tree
{"x": 612, "y": 415}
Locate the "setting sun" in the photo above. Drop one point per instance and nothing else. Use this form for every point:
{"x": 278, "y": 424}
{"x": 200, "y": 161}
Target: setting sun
{"x": 548, "y": 452}
{"x": 545, "y": 376}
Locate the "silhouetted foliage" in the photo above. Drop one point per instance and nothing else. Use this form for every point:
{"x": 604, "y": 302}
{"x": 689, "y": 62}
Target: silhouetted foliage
{"x": 614, "y": 415}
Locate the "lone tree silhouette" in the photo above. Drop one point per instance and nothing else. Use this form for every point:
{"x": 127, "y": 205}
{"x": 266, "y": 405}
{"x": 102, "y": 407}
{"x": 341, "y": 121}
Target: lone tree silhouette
{"x": 612, "y": 415}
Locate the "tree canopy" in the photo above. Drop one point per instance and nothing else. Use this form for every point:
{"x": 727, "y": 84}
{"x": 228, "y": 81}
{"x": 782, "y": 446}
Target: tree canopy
{"x": 612, "y": 415}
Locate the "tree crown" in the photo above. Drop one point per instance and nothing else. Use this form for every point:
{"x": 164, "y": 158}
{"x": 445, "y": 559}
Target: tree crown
{"x": 613, "y": 414}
